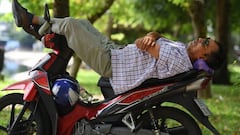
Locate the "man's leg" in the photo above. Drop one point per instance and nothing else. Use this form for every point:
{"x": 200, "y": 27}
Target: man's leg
{"x": 88, "y": 43}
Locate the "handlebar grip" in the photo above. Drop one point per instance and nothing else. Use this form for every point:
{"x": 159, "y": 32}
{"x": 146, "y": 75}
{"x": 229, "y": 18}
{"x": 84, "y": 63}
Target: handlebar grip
{"x": 44, "y": 28}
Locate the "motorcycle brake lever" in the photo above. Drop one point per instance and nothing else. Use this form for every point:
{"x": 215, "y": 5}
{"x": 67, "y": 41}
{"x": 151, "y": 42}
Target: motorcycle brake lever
{"x": 46, "y": 13}
{"x": 44, "y": 29}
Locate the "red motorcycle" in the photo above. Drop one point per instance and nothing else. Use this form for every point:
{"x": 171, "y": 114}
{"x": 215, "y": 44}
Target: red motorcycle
{"x": 51, "y": 102}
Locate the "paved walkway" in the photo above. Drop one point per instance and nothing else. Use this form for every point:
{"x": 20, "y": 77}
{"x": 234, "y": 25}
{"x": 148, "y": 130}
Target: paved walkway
{"x": 26, "y": 58}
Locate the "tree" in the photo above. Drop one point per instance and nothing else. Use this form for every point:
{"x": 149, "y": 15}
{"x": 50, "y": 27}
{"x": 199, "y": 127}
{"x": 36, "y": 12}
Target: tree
{"x": 61, "y": 8}
{"x": 143, "y": 16}
{"x": 197, "y": 13}
{"x": 223, "y": 36}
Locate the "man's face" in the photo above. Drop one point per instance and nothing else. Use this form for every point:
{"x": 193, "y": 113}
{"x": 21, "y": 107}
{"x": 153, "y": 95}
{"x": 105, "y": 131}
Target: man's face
{"x": 201, "y": 48}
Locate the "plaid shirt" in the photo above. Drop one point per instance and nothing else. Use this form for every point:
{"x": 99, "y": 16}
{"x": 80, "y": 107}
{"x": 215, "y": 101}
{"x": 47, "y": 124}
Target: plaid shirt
{"x": 131, "y": 66}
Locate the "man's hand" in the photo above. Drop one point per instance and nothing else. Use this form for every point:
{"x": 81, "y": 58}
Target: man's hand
{"x": 147, "y": 41}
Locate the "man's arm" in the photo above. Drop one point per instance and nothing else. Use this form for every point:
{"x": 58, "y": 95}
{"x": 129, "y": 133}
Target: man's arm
{"x": 148, "y": 43}
{"x": 154, "y": 35}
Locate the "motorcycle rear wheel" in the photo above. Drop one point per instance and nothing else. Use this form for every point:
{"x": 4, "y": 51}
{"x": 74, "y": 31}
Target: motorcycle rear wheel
{"x": 173, "y": 121}
{"x": 10, "y": 107}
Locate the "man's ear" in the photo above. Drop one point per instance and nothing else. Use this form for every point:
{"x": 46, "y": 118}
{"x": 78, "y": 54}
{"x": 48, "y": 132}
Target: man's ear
{"x": 203, "y": 56}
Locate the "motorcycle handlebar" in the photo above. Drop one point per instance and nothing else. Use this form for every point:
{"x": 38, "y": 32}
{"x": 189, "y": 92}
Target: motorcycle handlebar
{"x": 44, "y": 28}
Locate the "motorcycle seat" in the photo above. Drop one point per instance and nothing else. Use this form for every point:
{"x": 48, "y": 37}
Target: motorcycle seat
{"x": 107, "y": 90}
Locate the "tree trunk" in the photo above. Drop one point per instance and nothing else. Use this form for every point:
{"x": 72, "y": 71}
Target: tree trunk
{"x": 75, "y": 66}
{"x": 222, "y": 35}
{"x": 61, "y": 8}
{"x": 1, "y": 63}
{"x": 109, "y": 27}
{"x": 197, "y": 15}
{"x": 196, "y": 11}
{"x": 108, "y": 4}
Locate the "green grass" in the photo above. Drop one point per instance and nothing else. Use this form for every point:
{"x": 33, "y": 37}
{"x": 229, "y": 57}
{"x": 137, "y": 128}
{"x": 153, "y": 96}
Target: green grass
{"x": 88, "y": 79}
{"x": 225, "y": 103}
{"x": 225, "y": 108}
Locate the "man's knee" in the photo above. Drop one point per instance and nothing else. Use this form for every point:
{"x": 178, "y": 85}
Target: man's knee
{"x": 69, "y": 21}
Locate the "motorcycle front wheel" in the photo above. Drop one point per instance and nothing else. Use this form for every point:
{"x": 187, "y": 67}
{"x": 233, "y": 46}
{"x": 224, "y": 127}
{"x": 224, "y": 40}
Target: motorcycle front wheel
{"x": 171, "y": 121}
{"x": 10, "y": 107}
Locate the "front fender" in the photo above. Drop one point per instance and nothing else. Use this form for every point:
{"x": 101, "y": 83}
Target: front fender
{"x": 27, "y": 86}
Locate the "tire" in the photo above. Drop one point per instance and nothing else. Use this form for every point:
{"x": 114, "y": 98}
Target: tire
{"x": 172, "y": 121}
{"x": 13, "y": 103}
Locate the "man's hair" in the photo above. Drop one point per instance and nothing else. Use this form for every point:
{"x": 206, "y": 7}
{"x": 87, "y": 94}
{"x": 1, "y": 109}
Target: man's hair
{"x": 216, "y": 59}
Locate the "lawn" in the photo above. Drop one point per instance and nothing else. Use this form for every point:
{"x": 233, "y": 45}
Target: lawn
{"x": 224, "y": 104}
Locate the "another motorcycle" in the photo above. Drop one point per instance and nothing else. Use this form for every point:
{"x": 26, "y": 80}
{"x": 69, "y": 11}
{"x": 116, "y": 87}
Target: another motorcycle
{"x": 52, "y": 103}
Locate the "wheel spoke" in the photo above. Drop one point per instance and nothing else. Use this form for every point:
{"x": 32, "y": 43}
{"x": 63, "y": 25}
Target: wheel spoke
{"x": 172, "y": 121}
{"x": 12, "y": 114}
{"x": 163, "y": 124}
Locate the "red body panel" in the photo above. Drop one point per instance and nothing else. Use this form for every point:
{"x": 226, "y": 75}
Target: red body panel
{"x": 66, "y": 122}
{"x": 29, "y": 86}
{"x": 22, "y": 85}
{"x": 51, "y": 61}
{"x": 41, "y": 80}
{"x": 138, "y": 95}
